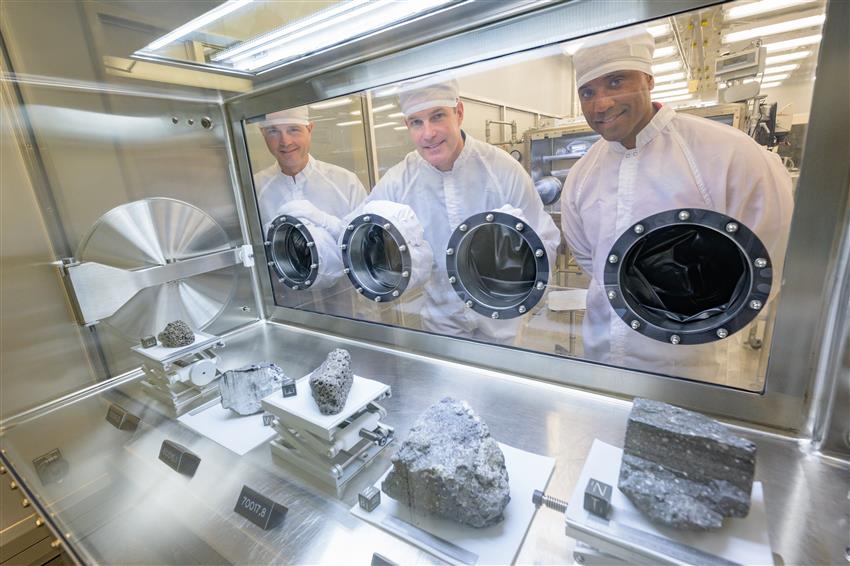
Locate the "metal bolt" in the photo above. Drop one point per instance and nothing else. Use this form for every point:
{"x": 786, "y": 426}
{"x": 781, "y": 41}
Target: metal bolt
{"x": 612, "y": 295}
{"x": 283, "y": 218}
{"x": 39, "y": 522}
{"x": 452, "y": 279}
{"x": 267, "y": 243}
{"x": 760, "y": 262}
{"x": 519, "y": 226}
{"x": 350, "y": 227}
{"x": 540, "y": 285}
{"x": 387, "y": 226}
{"x": 13, "y": 486}
{"x": 402, "y": 248}
{"x": 299, "y": 225}
{"x": 462, "y": 228}
{"x": 538, "y": 253}
{"x": 270, "y": 263}
{"x": 405, "y": 274}
{"x": 639, "y": 228}
{"x": 360, "y": 290}
{"x": 489, "y": 218}
{"x": 56, "y": 543}
{"x": 674, "y": 339}
{"x": 377, "y": 299}
{"x": 396, "y": 293}
{"x": 311, "y": 244}
{"x": 295, "y": 287}
{"x": 722, "y": 333}
{"x": 494, "y": 315}
{"x": 684, "y": 215}
{"x": 539, "y": 498}
{"x": 755, "y": 304}
{"x": 450, "y": 251}
{"x": 343, "y": 247}
{"x": 469, "y": 304}
{"x": 635, "y": 324}
{"x": 281, "y": 280}
{"x": 732, "y": 227}
{"x": 521, "y": 309}
{"x": 25, "y": 502}
{"x": 367, "y": 219}
{"x": 578, "y": 557}
{"x": 314, "y": 265}
{"x": 308, "y": 283}
{"x": 346, "y": 271}
{"x": 613, "y": 258}
{"x": 2, "y": 470}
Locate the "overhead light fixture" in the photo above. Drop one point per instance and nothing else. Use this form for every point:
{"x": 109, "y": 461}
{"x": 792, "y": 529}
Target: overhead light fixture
{"x": 331, "y": 104}
{"x": 793, "y": 43}
{"x": 351, "y": 123}
{"x": 771, "y": 85}
{"x": 771, "y": 78}
{"x": 666, "y": 51}
{"x": 670, "y": 86}
{"x": 773, "y": 29}
{"x": 196, "y": 24}
{"x": 384, "y": 125}
{"x": 355, "y": 113}
{"x": 760, "y": 7}
{"x": 385, "y": 92}
{"x": 383, "y": 107}
{"x": 659, "y": 31}
{"x": 400, "y": 128}
{"x": 785, "y": 57}
{"x": 666, "y": 67}
{"x": 677, "y": 92}
{"x": 395, "y": 115}
{"x": 675, "y": 98}
{"x": 781, "y": 68}
{"x": 324, "y": 29}
{"x": 669, "y": 77}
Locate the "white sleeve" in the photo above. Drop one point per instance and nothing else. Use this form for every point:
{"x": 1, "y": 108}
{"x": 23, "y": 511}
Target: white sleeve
{"x": 572, "y": 223}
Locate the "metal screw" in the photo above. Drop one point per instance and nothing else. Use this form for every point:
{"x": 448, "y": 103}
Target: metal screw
{"x": 521, "y": 309}
{"x": 540, "y": 285}
{"x": 612, "y": 295}
{"x": 684, "y": 215}
{"x": 56, "y": 543}
{"x": 267, "y": 243}
{"x": 760, "y": 262}
{"x": 39, "y": 522}
{"x": 539, "y": 498}
{"x": 469, "y": 304}
{"x": 402, "y": 248}
{"x": 25, "y": 502}
{"x": 343, "y": 247}
{"x": 387, "y": 226}
{"x": 674, "y": 339}
{"x": 350, "y": 227}
{"x": 295, "y": 287}
{"x": 489, "y": 218}
{"x": 360, "y": 290}
{"x": 174, "y": 119}
{"x": 377, "y": 299}
{"x": 452, "y": 279}
{"x": 519, "y": 226}
{"x": 722, "y": 333}
{"x": 613, "y": 258}
{"x": 462, "y": 228}
{"x": 578, "y": 557}
{"x": 538, "y": 253}
{"x": 639, "y": 228}
{"x": 13, "y": 486}
{"x": 311, "y": 244}
{"x": 314, "y": 265}
{"x": 346, "y": 271}
{"x": 2, "y": 470}
{"x": 755, "y": 304}
{"x": 206, "y": 122}
{"x": 405, "y": 274}
{"x": 494, "y": 315}
{"x": 190, "y": 121}
{"x": 395, "y": 293}
{"x": 299, "y": 225}
{"x": 308, "y": 283}
{"x": 635, "y": 324}
{"x": 270, "y": 263}
{"x": 367, "y": 219}
{"x": 283, "y": 218}
{"x": 450, "y": 251}
{"x": 732, "y": 227}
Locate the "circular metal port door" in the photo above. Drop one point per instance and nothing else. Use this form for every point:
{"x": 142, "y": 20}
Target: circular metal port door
{"x": 293, "y": 252}
{"x": 376, "y": 257}
{"x": 497, "y": 265}
{"x": 688, "y": 276}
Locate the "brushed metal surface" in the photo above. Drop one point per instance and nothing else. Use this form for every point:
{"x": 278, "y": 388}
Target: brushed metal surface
{"x": 118, "y": 498}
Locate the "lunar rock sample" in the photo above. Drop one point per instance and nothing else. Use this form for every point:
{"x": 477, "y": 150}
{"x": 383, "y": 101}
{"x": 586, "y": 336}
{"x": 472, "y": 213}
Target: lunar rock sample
{"x": 683, "y": 469}
{"x": 331, "y": 382}
{"x": 176, "y": 334}
{"x": 451, "y": 466}
{"x": 243, "y": 388}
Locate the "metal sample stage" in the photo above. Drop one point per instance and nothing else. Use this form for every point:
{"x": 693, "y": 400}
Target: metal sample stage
{"x": 330, "y": 448}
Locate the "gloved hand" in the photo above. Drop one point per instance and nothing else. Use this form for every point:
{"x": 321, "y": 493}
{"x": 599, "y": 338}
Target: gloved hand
{"x": 513, "y": 211}
{"x": 307, "y": 212}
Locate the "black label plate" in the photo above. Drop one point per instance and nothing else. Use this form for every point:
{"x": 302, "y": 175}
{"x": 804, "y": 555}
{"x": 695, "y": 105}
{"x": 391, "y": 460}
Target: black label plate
{"x": 120, "y": 418}
{"x": 179, "y": 458}
{"x": 259, "y": 509}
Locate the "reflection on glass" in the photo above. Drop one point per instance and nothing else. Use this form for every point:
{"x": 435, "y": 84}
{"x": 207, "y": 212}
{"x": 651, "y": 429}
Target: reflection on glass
{"x": 377, "y": 255}
{"x": 498, "y": 266}
{"x": 290, "y": 253}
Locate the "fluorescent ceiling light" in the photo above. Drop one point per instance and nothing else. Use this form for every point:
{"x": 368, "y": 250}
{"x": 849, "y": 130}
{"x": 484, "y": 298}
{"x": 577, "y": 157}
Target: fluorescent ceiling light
{"x": 355, "y": 113}
{"x": 669, "y": 77}
{"x": 747, "y": 10}
{"x": 675, "y": 98}
{"x": 351, "y": 123}
{"x": 327, "y": 28}
{"x": 771, "y": 78}
{"x": 662, "y": 52}
{"x": 395, "y": 115}
{"x": 199, "y": 22}
{"x": 670, "y": 86}
{"x": 676, "y": 92}
{"x": 771, "y": 85}
{"x": 784, "y": 58}
{"x": 781, "y": 68}
{"x": 386, "y": 92}
{"x": 384, "y": 125}
{"x": 383, "y": 107}
{"x": 793, "y": 43}
{"x": 665, "y": 67}
{"x": 659, "y": 31}
{"x": 331, "y": 104}
{"x": 773, "y": 29}
{"x": 400, "y": 128}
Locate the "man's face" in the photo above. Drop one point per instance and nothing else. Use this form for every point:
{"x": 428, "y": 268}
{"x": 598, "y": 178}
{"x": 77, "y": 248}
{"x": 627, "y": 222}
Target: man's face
{"x": 618, "y": 105}
{"x": 290, "y": 144}
{"x": 436, "y": 134}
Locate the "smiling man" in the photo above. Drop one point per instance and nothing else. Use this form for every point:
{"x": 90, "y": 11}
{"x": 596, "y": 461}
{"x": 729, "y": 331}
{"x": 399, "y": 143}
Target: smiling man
{"x": 449, "y": 177}
{"x": 652, "y": 159}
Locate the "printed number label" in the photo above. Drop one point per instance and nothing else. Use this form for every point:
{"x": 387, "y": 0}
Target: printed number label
{"x": 254, "y": 507}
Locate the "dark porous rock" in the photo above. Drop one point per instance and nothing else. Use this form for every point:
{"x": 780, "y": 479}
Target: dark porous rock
{"x": 683, "y": 469}
{"x": 243, "y": 388}
{"x": 176, "y": 335}
{"x": 451, "y": 466}
{"x": 331, "y": 382}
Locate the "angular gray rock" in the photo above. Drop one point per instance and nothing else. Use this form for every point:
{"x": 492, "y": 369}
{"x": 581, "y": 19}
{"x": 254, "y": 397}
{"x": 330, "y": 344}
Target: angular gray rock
{"x": 451, "y": 466}
{"x": 331, "y": 382}
{"x": 176, "y": 335}
{"x": 683, "y": 469}
{"x": 243, "y": 388}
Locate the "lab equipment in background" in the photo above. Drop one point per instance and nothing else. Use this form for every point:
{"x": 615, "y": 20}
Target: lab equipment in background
{"x": 736, "y": 70}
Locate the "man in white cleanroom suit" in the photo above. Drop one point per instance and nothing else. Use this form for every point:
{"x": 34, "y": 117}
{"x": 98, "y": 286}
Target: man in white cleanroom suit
{"x": 652, "y": 159}
{"x": 448, "y": 178}
{"x": 317, "y": 193}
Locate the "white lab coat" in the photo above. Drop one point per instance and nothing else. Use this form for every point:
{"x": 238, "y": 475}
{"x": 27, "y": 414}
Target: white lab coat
{"x": 331, "y": 189}
{"x": 482, "y": 178}
{"x": 679, "y": 161}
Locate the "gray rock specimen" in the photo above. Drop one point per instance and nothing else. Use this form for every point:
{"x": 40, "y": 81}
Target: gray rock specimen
{"x": 683, "y": 469}
{"x": 243, "y": 388}
{"x": 451, "y": 466}
{"x": 331, "y": 382}
{"x": 176, "y": 334}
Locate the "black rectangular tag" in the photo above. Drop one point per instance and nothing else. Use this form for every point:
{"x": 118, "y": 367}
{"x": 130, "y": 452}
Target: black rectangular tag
{"x": 259, "y": 509}
{"x": 120, "y": 418}
{"x": 179, "y": 458}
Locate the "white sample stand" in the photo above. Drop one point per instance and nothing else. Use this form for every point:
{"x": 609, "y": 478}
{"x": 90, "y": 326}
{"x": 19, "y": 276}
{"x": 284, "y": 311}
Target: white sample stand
{"x": 461, "y": 544}
{"x": 182, "y": 378}
{"x": 238, "y": 433}
{"x": 630, "y": 537}
{"x": 330, "y": 448}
